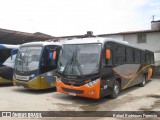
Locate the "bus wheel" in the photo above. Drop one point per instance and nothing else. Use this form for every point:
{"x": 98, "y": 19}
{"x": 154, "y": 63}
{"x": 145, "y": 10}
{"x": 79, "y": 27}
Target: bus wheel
{"x": 116, "y": 90}
{"x": 143, "y": 81}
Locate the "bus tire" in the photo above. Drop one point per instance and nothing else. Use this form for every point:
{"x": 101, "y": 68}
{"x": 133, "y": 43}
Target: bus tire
{"x": 115, "y": 90}
{"x": 143, "y": 81}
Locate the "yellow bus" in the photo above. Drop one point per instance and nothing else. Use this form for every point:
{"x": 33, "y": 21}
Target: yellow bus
{"x": 97, "y": 67}
{"x": 36, "y": 64}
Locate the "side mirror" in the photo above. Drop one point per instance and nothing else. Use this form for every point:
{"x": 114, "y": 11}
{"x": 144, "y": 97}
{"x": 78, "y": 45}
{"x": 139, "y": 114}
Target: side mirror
{"x": 108, "y": 54}
{"x": 54, "y": 55}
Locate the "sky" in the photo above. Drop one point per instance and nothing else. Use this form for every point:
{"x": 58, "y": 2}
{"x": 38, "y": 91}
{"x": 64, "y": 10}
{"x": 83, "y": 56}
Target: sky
{"x": 76, "y": 17}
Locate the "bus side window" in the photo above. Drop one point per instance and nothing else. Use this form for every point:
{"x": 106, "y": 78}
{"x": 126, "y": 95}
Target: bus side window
{"x": 136, "y": 56}
{"x": 120, "y": 54}
{"x": 143, "y": 57}
{"x": 47, "y": 59}
{"x": 152, "y": 57}
{"x": 148, "y": 57}
{"x": 129, "y": 55}
{"x": 4, "y": 53}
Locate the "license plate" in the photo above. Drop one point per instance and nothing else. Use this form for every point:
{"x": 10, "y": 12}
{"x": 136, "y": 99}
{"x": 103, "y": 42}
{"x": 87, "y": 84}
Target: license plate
{"x": 73, "y": 94}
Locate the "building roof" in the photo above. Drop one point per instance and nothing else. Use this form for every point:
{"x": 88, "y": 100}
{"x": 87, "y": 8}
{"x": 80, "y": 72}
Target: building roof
{"x": 103, "y": 35}
{"x": 17, "y": 37}
{"x": 130, "y": 32}
{"x": 155, "y": 21}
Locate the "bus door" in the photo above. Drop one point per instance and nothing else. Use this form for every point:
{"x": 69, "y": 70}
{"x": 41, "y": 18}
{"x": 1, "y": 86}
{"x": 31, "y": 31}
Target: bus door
{"x": 48, "y": 65}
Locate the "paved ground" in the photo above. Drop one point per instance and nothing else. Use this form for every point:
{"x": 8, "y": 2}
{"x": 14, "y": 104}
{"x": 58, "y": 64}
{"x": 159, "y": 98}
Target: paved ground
{"x": 136, "y": 98}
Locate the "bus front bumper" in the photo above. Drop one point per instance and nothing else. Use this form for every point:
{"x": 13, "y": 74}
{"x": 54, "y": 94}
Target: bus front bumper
{"x": 82, "y": 91}
{"x": 37, "y": 83}
{"x": 31, "y": 84}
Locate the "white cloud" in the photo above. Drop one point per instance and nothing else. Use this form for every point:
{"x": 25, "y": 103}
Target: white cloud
{"x": 155, "y": 4}
{"x": 71, "y": 17}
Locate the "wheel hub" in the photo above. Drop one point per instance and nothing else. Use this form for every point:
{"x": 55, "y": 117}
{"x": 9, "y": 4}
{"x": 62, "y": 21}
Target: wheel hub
{"x": 116, "y": 89}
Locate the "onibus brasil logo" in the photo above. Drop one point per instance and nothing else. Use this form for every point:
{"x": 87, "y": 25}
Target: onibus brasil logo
{"x": 22, "y": 114}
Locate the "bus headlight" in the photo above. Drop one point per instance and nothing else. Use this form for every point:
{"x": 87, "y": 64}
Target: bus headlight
{"x": 58, "y": 79}
{"x": 32, "y": 76}
{"x": 92, "y": 83}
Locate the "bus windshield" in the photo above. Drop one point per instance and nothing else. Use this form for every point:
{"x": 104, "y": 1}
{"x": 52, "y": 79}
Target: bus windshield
{"x": 28, "y": 58}
{"x": 82, "y": 59}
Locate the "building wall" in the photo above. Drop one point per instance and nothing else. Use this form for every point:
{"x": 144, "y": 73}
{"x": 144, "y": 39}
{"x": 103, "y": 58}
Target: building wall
{"x": 157, "y": 58}
{"x": 152, "y": 41}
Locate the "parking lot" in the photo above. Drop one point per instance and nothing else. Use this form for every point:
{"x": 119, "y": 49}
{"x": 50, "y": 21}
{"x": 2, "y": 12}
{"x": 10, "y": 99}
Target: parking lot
{"x": 14, "y": 98}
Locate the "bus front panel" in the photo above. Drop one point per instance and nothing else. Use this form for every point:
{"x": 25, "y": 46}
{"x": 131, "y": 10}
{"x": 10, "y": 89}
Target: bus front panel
{"x": 87, "y": 90}
{"x": 77, "y": 66}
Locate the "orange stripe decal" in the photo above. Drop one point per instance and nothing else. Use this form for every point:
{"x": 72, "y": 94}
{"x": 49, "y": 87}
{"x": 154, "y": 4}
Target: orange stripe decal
{"x": 131, "y": 76}
{"x": 137, "y": 75}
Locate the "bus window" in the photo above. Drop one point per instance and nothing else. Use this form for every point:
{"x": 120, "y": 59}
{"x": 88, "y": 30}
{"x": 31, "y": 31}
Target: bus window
{"x": 136, "y": 56}
{"x": 47, "y": 59}
{"x": 143, "y": 57}
{"x": 148, "y": 57}
{"x": 152, "y": 57}
{"x": 129, "y": 55}
{"x": 120, "y": 54}
{"x": 4, "y": 53}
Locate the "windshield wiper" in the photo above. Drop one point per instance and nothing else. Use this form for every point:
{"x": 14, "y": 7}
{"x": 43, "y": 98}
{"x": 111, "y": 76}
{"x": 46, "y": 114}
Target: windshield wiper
{"x": 78, "y": 66}
{"x": 23, "y": 62}
{"x": 18, "y": 60}
{"x": 73, "y": 62}
{"x": 68, "y": 63}
{"x": 76, "y": 62}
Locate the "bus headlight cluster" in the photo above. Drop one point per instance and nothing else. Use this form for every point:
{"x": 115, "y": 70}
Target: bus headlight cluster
{"x": 92, "y": 83}
{"x": 58, "y": 79}
{"x": 32, "y": 76}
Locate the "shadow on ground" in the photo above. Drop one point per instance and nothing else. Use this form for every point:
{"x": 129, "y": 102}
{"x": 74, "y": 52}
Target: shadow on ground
{"x": 6, "y": 85}
{"x": 29, "y": 91}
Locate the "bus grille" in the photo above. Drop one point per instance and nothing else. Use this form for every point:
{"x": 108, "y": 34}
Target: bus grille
{"x": 74, "y": 91}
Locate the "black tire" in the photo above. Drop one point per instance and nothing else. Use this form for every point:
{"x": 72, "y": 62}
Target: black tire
{"x": 115, "y": 90}
{"x": 143, "y": 81}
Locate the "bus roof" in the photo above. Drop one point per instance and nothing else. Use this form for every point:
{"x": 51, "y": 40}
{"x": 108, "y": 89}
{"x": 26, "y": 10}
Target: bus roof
{"x": 98, "y": 40}
{"x": 7, "y": 46}
{"x": 42, "y": 43}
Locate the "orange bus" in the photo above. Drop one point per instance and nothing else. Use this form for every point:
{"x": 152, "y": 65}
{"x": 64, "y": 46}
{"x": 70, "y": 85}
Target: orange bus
{"x": 97, "y": 67}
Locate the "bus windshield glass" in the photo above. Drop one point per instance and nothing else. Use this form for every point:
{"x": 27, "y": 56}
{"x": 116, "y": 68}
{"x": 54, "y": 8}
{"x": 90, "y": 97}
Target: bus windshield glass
{"x": 82, "y": 59}
{"x": 28, "y": 58}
